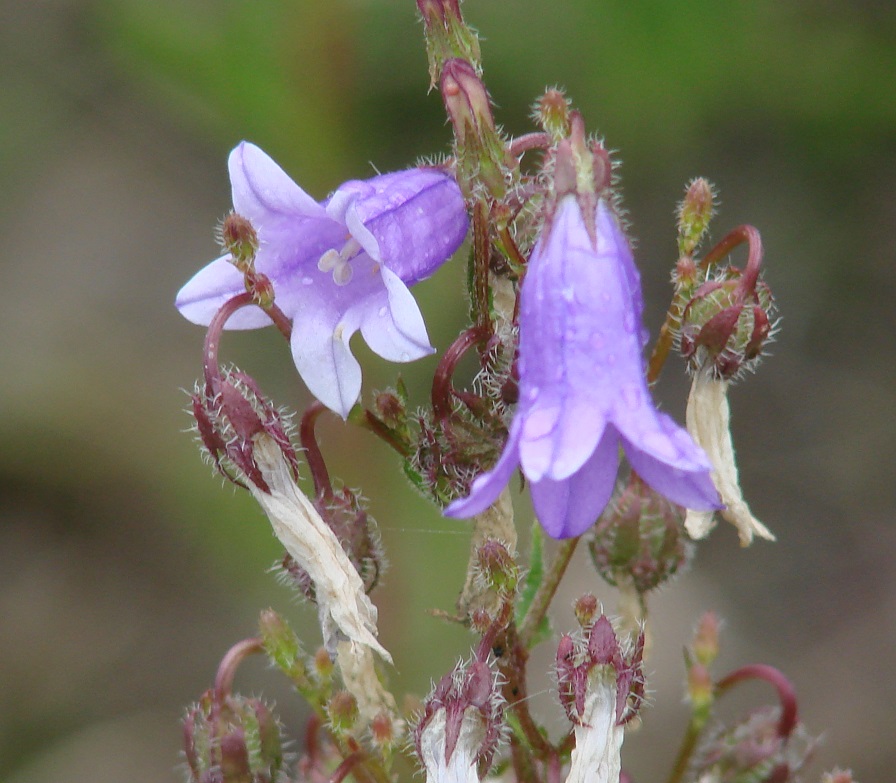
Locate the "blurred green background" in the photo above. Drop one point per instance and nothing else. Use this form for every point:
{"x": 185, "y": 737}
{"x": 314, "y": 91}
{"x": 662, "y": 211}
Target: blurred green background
{"x": 126, "y": 570}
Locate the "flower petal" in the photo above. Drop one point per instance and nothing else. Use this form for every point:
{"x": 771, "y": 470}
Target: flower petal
{"x": 417, "y": 216}
{"x": 670, "y": 462}
{"x": 321, "y": 352}
{"x": 487, "y": 486}
{"x": 260, "y": 188}
{"x": 212, "y": 286}
{"x": 569, "y": 507}
{"x": 392, "y": 324}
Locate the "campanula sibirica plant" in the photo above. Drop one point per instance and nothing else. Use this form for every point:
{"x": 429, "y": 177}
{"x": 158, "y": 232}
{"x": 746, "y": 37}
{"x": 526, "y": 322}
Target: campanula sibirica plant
{"x": 560, "y": 408}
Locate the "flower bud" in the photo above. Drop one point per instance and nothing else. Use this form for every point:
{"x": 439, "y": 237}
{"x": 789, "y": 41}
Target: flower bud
{"x": 719, "y": 329}
{"x": 551, "y": 112}
{"x": 238, "y": 238}
{"x": 461, "y": 725}
{"x": 498, "y": 567}
{"x": 694, "y": 214}
{"x": 639, "y": 539}
{"x": 283, "y": 648}
{"x": 753, "y": 750}
{"x": 228, "y": 419}
{"x": 323, "y": 665}
{"x": 342, "y": 709}
{"x": 447, "y": 35}
{"x": 585, "y": 608}
{"x": 478, "y": 146}
{"x": 705, "y": 645}
{"x": 233, "y": 740}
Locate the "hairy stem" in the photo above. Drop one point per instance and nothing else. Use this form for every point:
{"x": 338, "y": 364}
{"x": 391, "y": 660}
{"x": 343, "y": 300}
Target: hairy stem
{"x": 546, "y": 591}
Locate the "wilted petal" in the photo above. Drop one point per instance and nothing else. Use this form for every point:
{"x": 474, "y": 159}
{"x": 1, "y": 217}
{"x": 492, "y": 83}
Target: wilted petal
{"x": 344, "y": 608}
{"x": 708, "y": 420}
{"x": 358, "y": 670}
{"x": 596, "y": 757}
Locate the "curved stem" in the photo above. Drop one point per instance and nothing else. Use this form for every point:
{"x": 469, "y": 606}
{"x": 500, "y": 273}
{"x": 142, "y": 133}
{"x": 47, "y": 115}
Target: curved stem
{"x": 229, "y": 663}
{"x": 320, "y": 476}
{"x": 481, "y": 255}
{"x": 217, "y": 324}
{"x": 342, "y": 771}
{"x": 771, "y": 675}
{"x": 546, "y": 591}
{"x": 737, "y": 236}
{"x": 441, "y": 381}
{"x": 529, "y": 141}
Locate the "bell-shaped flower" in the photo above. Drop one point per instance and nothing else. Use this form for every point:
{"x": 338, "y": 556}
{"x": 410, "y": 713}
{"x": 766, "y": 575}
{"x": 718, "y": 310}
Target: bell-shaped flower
{"x": 583, "y": 391}
{"x": 337, "y": 267}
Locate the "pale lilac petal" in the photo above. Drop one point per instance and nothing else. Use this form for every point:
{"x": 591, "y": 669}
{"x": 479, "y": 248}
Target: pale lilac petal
{"x": 261, "y": 187}
{"x": 674, "y": 466}
{"x": 417, "y": 216}
{"x": 321, "y": 353}
{"x": 569, "y": 507}
{"x": 487, "y": 486}
{"x": 209, "y": 289}
{"x": 392, "y": 324}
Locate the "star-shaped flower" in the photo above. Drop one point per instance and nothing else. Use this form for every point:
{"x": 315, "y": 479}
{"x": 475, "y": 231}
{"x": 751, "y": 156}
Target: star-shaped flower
{"x": 583, "y": 392}
{"x": 337, "y": 267}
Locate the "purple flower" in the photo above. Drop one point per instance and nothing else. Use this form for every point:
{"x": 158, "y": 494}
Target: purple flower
{"x": 583, "y": 391}
{"x": 338, "y": 266}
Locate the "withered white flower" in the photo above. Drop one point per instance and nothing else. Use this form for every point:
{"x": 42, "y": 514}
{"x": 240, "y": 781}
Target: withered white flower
{"x": 596, "y": 757}
{"x": 344, "y": 609}
{"x": 708, "y": 421}
{"x": 358, "y": 670}
{"x": 459, "y": 766}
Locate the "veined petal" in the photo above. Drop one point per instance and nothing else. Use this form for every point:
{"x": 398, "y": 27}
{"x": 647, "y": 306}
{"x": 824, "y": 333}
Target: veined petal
{"x": 321, "y": 352}
{"x": 212, "y": 286}
{"x": 569, "y": 507}
{"x": 261, "y": 187}
{"x": 392, "y": 324}
{"x": 417, "y": 217}
{"x": 487, "y": 486}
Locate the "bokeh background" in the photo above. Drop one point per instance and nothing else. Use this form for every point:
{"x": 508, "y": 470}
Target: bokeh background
{"x": 126, "y": 570}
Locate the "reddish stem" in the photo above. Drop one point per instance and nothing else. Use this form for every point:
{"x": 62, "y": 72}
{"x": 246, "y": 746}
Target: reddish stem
{"x": 441, "y": 382}
{"x": 481, "y": 255}
{"x": 529, "y": 141}
{"x": 785, "y": 689}
{"x": 229, "y": 663}
{"x": 342, "y": 771}
{"x": 320, "y": 476}
{"x": 211, "y": 367}
{"x": 737, "y": 236}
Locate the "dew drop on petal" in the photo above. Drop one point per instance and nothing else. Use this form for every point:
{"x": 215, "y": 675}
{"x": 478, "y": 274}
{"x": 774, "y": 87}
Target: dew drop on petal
{"x": 405, "y": 356}
{"x": 307, "y": 281}
{"x": 382, "y": 311}
{"x": 569, "y": 293}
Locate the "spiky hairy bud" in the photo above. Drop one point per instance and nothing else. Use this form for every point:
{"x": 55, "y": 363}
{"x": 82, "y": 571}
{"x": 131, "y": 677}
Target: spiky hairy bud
{"x": 447, "y": 36}
{"x": 551, "y": 112}
{"x": 694, "y": 214}
{"x": 237, "y": 236}
{"x": 639, "y": 540}
{"x": 232, "y": 740}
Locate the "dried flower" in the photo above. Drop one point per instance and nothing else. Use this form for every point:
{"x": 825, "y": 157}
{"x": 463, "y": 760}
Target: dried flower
{"x": 338, "y": 266}
{"x": 708, "y": 417}
{"x": 583, "y": 391}
{"x": 601, "y": 689}
{"x": 461, "y": 725}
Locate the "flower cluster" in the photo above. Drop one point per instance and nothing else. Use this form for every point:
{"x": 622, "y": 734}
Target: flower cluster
{"x": 563, "y": 394}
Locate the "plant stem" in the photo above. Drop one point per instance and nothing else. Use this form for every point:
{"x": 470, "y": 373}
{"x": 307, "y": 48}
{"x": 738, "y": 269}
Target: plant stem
{"x": 546, "y": 591}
